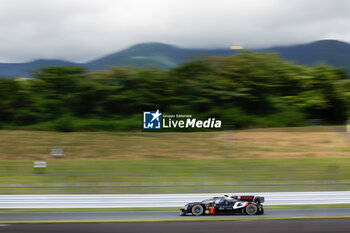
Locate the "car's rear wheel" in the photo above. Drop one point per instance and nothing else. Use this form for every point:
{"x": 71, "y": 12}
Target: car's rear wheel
{"x": 251, "y": 209}
{"x": 197, "y": 210}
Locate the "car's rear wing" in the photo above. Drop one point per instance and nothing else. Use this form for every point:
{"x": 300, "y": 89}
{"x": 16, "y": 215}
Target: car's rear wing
{"x": 257, "y": 199}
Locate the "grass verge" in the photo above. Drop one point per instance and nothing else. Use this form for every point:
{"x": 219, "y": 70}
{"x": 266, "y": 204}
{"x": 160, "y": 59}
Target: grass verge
{"x": 175, "y": 176}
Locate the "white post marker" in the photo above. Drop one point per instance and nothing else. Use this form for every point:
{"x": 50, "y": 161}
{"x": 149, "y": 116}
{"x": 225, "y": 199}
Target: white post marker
{"x": 40, "y": 164}
{"x": 57, "y": 152}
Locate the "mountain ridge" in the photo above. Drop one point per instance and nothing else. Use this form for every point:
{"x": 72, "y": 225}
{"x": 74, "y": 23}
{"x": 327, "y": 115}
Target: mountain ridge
{"x": 24, "y": 69}
{"x": 332, "y": 52}
{"x": 166, "y": 56}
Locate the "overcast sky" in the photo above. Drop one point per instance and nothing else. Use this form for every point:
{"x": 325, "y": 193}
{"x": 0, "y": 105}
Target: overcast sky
{"x": 81, "y": 30}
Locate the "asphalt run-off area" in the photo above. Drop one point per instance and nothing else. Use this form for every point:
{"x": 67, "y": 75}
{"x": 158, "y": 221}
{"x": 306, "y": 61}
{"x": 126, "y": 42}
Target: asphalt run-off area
{"x": 268, "y": 226}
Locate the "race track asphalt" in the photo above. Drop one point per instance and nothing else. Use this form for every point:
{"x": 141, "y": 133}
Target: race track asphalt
{"x": 268, "y": 226}
{"x": 135, "y": 215}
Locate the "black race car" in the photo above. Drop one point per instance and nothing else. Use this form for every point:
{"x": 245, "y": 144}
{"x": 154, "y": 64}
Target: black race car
{"x": 249, "y": 205}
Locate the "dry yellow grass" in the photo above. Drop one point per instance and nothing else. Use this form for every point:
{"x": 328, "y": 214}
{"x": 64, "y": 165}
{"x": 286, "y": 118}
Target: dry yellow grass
{"x": 35, "y": 145}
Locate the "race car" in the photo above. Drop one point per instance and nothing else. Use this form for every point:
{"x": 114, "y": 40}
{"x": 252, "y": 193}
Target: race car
{"x": 246, "y": 205}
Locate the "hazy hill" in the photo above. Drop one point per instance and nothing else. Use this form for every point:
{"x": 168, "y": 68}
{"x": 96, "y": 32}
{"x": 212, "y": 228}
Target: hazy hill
{"x": 333, "y": 52}
{"x": 24, "y": 69}
{"x": 165, "y": 56}
{"x": 160, "y": 55}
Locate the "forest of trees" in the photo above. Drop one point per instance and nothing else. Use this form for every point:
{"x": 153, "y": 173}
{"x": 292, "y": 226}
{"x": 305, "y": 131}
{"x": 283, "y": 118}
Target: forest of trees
{"x": 243, "y": 90}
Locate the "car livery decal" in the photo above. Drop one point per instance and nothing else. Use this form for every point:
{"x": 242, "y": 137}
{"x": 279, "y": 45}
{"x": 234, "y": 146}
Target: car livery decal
{"x": 240, "y": 204}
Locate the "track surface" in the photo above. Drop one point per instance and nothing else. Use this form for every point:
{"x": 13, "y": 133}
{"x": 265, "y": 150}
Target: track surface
{"x": 167, "y": 215}
{"x": 285, "y": 226}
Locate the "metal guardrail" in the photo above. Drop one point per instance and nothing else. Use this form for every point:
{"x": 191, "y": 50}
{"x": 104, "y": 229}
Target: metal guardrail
{"x": 161, "y": 200}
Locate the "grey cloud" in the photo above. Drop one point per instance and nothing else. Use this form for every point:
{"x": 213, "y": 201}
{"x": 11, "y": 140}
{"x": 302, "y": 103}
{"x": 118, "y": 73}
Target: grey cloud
{"x": 81, "y": 30}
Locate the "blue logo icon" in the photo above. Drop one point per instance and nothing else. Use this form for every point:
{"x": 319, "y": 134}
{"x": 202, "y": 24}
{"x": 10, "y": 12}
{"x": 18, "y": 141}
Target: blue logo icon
{"x": 151, "y": 120}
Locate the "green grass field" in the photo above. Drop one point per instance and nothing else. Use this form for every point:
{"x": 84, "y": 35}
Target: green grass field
{"x": 288, "y": 159}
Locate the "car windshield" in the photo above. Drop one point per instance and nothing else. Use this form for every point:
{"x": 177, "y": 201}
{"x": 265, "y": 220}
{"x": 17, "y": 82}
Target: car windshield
{"x": 206, "y": 201}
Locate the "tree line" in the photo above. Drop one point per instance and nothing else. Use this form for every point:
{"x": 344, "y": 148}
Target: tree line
{"x": 244, "y": 90}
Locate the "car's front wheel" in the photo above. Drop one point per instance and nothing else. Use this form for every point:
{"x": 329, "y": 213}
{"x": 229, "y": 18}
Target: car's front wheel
{"x": 251, "y": 209}
{"x": 197, "y": 210}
